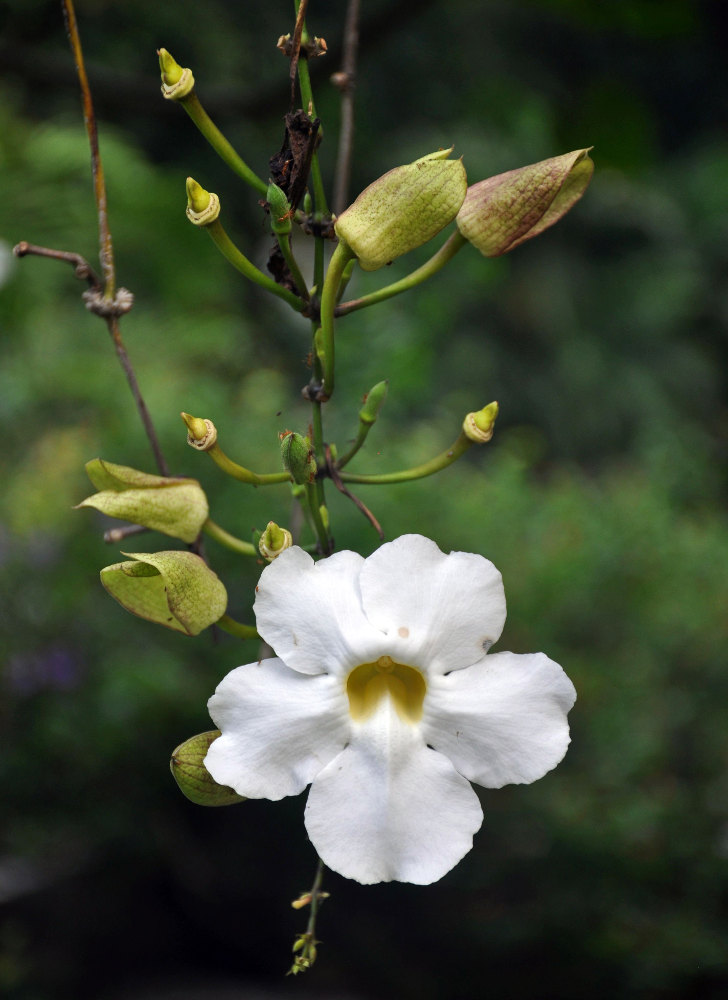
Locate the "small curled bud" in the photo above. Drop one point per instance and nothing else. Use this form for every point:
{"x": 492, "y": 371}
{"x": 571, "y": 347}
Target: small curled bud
{"x": 280, "y": 210}
{"x": 202, "y": 433}
{"x": 479, "y": 426}
{"x": 373, "y": 403}
{"x": 203, "y": 207}
{"x": 273, "y": 541}
{"x": 177, "y": 82}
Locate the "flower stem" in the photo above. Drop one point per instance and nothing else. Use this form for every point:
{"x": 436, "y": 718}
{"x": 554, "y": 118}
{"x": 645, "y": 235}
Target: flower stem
{"x": 446, "y": 252}
{"x": 453, "y": 453}
{"x": 242, "y": 474}
{"x": 284, "y": 242}
{"x": 340, "y": 258}
{"x": 305, "y": 947}
{"x": 312, "y": 498}
{"x": 239, "y": 261}
{"x": 228, "y": 624}
{"x": 319, "y": 449}
{"x": 229, "y": 541}
{"x": 220, "y": 144}
{"x": 360, "y": 439}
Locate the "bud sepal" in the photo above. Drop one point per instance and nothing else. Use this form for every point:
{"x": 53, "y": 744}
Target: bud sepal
{"x": 273, "y": 541}
{"x": 194, "y": 780}
{"x": 177, "y": 83}
{"x": 403, "y": 209}
{"x": 173, "y": 505}
{"x": 504, "y": 211}
{"x": 478, "y": 427}
{"x": 175, "y": 589}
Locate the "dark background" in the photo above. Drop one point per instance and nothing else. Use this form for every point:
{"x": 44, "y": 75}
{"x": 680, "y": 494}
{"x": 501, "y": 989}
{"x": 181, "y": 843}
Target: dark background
{"x": 601, "y": 497}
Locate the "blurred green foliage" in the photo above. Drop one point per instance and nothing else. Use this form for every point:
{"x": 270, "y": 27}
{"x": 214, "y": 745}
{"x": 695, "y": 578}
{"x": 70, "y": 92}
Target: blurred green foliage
{"x": 601, "y": 498}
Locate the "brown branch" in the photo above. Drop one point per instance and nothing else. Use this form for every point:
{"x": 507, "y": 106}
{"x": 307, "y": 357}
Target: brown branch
{"x": 106, "y": 250}
{"x": 82, "y": 268}
{"x": 109, "y": 303}
{"x": 115, "y": 535}
{"x": 336, "y": 479}
{"x": 345, "y": 81}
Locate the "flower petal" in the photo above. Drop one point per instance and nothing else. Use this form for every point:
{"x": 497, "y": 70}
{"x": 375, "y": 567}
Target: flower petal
{"x": 503, "y": 720}
{"x": 311, "y": 613}
{"x": 389, "y": 807}
{"x": 279, "y": 728}
{"x": 440, "y": 612}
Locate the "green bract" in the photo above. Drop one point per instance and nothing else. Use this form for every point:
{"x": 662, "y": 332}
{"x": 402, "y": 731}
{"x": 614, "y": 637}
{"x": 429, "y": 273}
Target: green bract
{"x": 193, "y": 778}
{"x": 403, "y": 209}
{"x": 508, "y": 209}
{"x": 175, "y": 506}
{"x": 175, "y": 589}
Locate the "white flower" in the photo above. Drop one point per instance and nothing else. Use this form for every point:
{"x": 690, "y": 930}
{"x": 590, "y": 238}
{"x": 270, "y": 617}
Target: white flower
{"x": 382, "y": 698}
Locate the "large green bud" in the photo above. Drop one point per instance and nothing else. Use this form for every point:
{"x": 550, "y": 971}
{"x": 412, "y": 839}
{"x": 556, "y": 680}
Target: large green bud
{"x": 504, "y": 211}
{"x": 175, "y": 506}
{"x": 403, "y": 209}
{"x": 298, "y": 457}
{"x": 175, "y": 589}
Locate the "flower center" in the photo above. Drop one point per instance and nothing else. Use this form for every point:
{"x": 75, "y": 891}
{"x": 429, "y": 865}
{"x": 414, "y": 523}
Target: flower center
{"x": 368, "y": 683}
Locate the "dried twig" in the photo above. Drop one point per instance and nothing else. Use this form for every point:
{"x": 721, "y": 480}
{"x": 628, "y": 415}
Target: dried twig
{"x": 336, "y": 479}
{"x": 296, "y": 48}
{"x": 345, "y": 81}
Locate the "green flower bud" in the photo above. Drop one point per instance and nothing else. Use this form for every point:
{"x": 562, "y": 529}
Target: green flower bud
{"x": 373, "y": 402}
{"x": 202, "y": 433}
{"x": 173, "y": 505}
{"x": 479, "y": 426}
{"x": 203, "y": 207}
{"x": 194, "y": 780}
{"x": 403, "y": 209}
{"x": 177, "y": 82}
{"x": 503, "y": 211}
{"x": 273, "y": 541}
{"x": 280, "y": 210}
{"x": 175, "y": 589}
{"x": 298, "y": 457}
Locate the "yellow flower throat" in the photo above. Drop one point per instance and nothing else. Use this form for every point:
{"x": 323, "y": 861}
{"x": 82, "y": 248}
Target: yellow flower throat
{"x": 368, "y": 683}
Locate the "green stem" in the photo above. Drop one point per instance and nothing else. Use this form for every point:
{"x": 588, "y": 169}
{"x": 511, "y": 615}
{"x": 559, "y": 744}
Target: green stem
{"x": 228, "y": 624}
{"x": 322, "y": 534}
{"x": 318, "y": 444}
{"x": 242, "y": 474}
{"x": 318, "y": 264}
{"x": 239, "y": 261}
{"x": 219, "y": 143}
{"x": 304, "y": 82}
{"x": 453, "y": 453}
{"x": 345, "y": 279}
{"x": 360, "y": 439}
{"x": 337, "y": 265}
{"x": 284, "y": 242}
{"x": 228, "y": 540}
{"x": 446, "y": 252}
